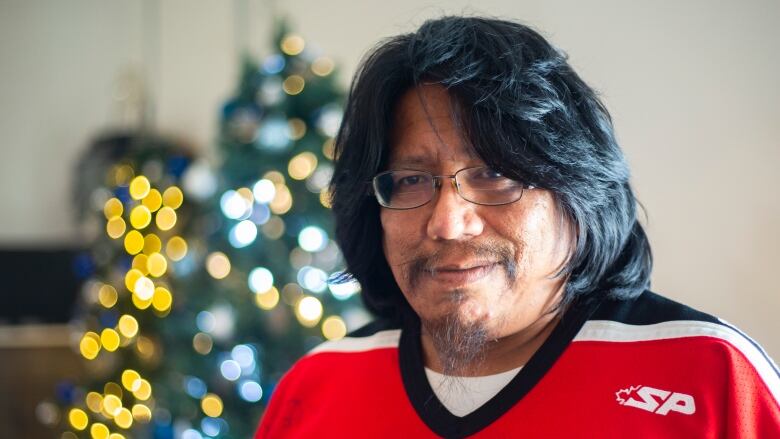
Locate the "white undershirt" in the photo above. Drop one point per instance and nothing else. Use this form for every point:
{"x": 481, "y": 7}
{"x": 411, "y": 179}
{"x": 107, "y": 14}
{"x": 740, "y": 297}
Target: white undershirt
{"x": 463, "y": 395}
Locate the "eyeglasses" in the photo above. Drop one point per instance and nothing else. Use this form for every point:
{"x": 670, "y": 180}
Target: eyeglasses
{"x": 407, "y": 189}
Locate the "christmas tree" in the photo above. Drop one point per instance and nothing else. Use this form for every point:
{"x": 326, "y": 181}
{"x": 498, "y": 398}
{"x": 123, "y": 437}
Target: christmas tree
{"x": 238, "y": 287}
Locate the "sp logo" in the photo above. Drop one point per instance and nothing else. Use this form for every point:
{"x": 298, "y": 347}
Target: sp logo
{"x": 657, "y": 401}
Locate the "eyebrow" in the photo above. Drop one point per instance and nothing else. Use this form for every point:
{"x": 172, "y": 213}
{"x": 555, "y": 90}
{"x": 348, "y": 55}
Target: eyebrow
{"x": 411, "y": 160}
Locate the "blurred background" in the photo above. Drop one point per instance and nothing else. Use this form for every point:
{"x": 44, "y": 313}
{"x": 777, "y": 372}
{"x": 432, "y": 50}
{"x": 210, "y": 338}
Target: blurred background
{"x": 164, "y": 237}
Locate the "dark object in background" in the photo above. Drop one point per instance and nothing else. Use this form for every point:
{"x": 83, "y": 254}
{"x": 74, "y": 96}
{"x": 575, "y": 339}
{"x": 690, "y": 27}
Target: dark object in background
{"x": 39, "y": 285}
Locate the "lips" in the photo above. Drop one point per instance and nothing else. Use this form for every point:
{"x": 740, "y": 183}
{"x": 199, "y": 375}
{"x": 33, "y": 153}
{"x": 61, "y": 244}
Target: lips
{"x": 462, "y": 274}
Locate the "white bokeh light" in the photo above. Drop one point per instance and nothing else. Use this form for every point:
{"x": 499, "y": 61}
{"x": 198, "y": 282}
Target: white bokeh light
{"x": 313, "y": 279}
{"x": 230, "y": 369}
{"x": 264, "y": 191}
{"x": 233, "y": 205}
{"x": 250, "y": 391}
{"x": 243, "y": 234}
{"x": 260, "y": 280}
{"x": 206, "y": 321}
{"x": 312, "y": 239}
{"x": 244, "y": 355}
{"x": 310, "y": 308}
{"x": 345, "y": 290}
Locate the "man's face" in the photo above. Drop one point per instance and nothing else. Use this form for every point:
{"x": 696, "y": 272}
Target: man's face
{"x": 487, "y": 268}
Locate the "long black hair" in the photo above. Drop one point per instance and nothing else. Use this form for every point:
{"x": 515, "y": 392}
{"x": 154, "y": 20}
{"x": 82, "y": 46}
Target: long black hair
{"x": 527, "y": 114}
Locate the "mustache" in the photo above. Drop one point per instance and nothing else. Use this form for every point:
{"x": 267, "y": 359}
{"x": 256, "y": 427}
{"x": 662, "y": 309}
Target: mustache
{"x": 421, "y": 264}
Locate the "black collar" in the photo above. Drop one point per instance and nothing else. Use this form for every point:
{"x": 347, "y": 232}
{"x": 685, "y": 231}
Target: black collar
{"x": 444, "y": 423}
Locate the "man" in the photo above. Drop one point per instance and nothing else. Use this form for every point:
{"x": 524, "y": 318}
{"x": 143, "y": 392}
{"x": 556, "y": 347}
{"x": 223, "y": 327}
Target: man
{"x": 484, "y": 205}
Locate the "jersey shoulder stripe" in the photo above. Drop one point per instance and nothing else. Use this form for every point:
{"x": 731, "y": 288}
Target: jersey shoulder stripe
{"x": 379, "y": 340}
{"x": 618, "y": 332}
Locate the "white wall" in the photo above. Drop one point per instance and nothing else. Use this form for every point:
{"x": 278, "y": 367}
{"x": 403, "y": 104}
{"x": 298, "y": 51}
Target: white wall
{"x": 692, "y": 87}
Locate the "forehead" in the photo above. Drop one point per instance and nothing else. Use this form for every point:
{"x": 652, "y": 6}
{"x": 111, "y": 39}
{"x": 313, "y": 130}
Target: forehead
{"x": 426, "y": 130}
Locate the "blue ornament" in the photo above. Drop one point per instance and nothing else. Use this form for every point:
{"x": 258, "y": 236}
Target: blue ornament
{"x": 177, "y": 165}
{"x": 123, "y": 193}
{"x": 83, "y": 265}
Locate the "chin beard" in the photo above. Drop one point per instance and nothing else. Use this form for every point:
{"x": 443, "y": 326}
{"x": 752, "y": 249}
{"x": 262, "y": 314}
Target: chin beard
{"x": 461, "y": 345}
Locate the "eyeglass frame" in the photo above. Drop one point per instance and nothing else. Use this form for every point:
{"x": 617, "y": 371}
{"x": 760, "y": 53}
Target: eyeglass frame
{"x": 437, "y": 183}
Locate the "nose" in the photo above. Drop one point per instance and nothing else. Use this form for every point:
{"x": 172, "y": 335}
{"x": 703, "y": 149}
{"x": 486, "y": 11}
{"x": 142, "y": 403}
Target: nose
{"x": 452, "y": 217}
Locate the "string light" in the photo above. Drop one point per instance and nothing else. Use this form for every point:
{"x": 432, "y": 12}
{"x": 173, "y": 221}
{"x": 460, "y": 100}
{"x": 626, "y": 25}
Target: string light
{"x": 156, "y": 264}
{"x": 166, "y": 218}
{"x": 128, "y": 326}
{"x": 173, "y": 197}
{"x": 140, "y": 217}
{"x": 134, "y": 242}
{"x": 113, "y": 208}
{"x": 293, "y": 85}
{"x": 268, "y": 299}
{"x": 144, "y": 390}
{"x": 308, "y": 311}
{"x": 99, "y": 431}
{"x": 322, "y": 66}
{"x": 162, "y": 299}
{"x": 153, "y": 200}
{"x": 144, "y": 288}
{"x": 112, "y": 404}
{"x": 302, "y": 165}
{"x": 176, "y": 248}
{"x": 292, "y": 44}
{"x": 78, "y": 419}
{"x": 131, "y": 379}
{"x": 107, "y": 296}
{"x": 218, "y": 265}
{"x": 115, "y": 227}
{"x": 152, "y": 244}
{"x": 334, "y": 328}
{"x": 89, "y": 345}
{"x": 139, "y": 187}
{"x": 109, "y": 339}
{"x": 211, "y": 405}
{"x": 123, "y": 418}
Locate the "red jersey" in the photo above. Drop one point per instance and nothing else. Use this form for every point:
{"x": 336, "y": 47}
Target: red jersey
{"x": 643, "y": 367}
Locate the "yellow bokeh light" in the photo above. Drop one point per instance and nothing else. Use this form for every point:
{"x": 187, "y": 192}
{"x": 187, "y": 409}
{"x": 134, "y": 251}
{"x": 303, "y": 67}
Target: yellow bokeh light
{"x": 78, "y": 419}
{"x": 166, "y": 218}
{"x": 89, "y": 345}
{"x": 128, "y": 326}
{"x": 162, "y": 299}
{"x": 173, "y": 197}
{"x": 297, "y": 128}
{"x": 94, "y": 401}
{"x": 246, "y": 194}
{"x": 218, "y": 265}
{"x": 322, "y": 66}
{"x": 144, "y": 390}
{"x": 302, "y": 165}
{"x": 142, "y": 413}
{"x": 123, "y": 174}
{"x": 116, "y": 436}
{"x": 211, "y": 405}
{"x": 144, "y": 288}
{"x": 325, "y": 198}
{"x": 123, "y": 418}
{"x": 134, "y": 242}
{"x": 282, "y": 201}
{"x": 139, "y": 187}
{"x": 140, "y": 262}
{"x": 145, "y": 348}
{"x": 308, "y": 310}
{"x": 153, "y": 200}
{"x": 329, "y": 148}
{"x": 176, "y": 248}
{"x": 292, "y": 293}
{"x": 275, "y": 177}
{"x": 99, "y": 431}
{"x": 274, "y": 228}
{"x": 334, "y": 328}
{"x": 293, "y": 85}
{"x": 152, "y": 244}
{"x": 292, "y": 44}
{"x": 107, "y": 296}
{"x": 157, "y": 264}
{"x": 141, "y": 303}
{"x": 109, "y": 339}
{"x": 112, "y": 404}
{"x": 113, "y": 208}
{"x": 202, "y": 343}
{"x": 268, "y": 299}
{"x": 132, "y": 277}
{"x": 129, "y": 376}
{"x": 140, "y": 217}
{"x": 115, "y": 227}
{"x": 112, "y": 388}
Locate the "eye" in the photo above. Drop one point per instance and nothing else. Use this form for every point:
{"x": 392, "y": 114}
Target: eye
{"x": 411, "y": 180}
{"x": 488, "y": 174}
